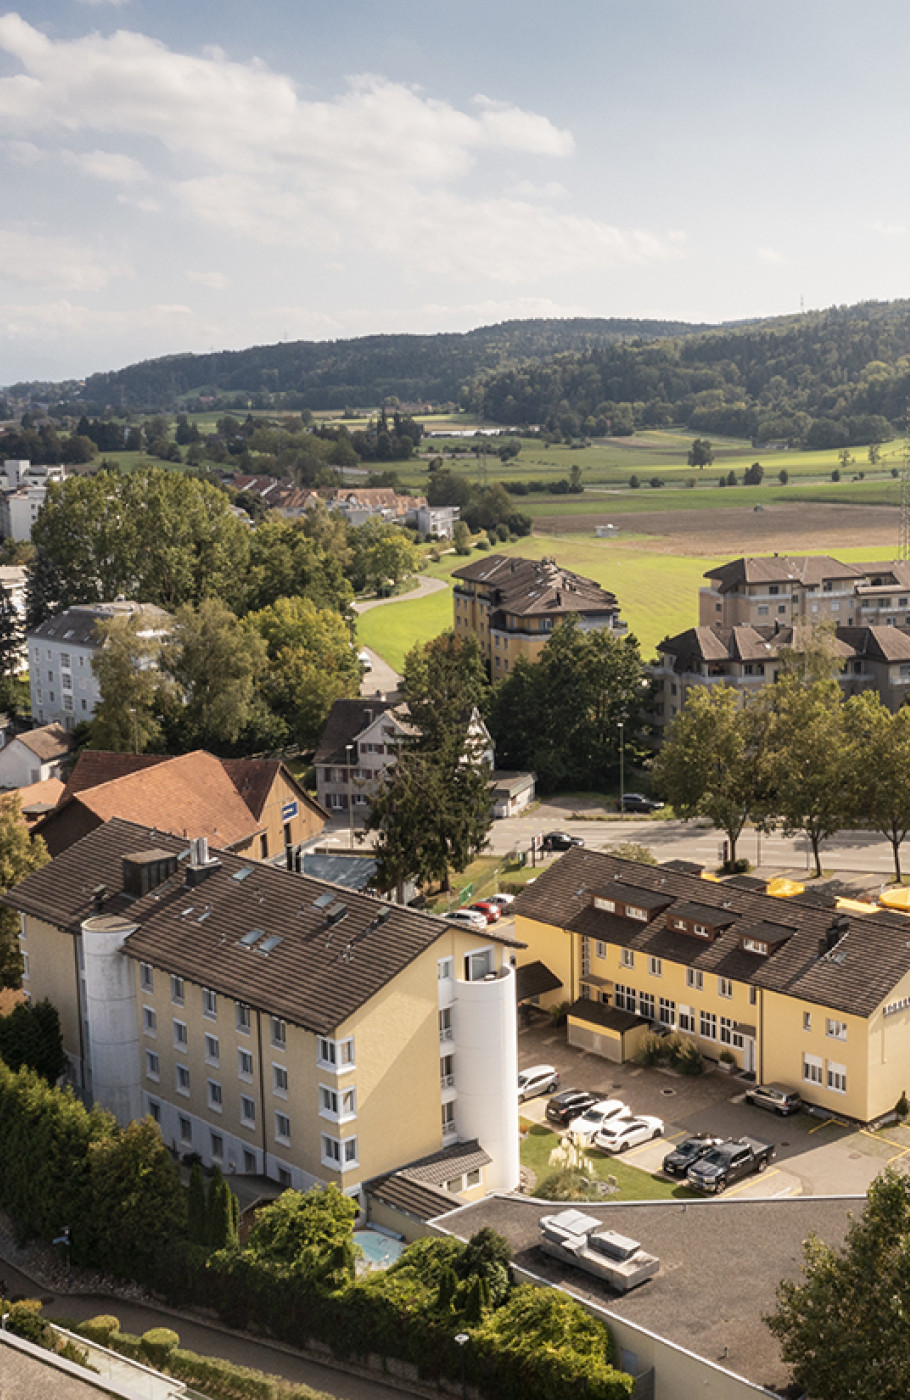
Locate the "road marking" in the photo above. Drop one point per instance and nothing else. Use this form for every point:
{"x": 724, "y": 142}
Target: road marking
{"x": 901, "y": 1146}
{"x": 829, "y": 1122}
{"x": 750, "y": 1181}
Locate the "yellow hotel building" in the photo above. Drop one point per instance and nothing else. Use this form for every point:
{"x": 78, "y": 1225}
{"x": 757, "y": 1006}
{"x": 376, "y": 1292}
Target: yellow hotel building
{"x": 273, "y": 1023}
{"x": 511, "y": 606}
{"x": 799, "y": 995}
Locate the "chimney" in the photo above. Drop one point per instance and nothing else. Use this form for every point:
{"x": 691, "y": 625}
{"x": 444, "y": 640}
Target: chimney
{"x": 99, "y": 893}
{"x": 200, "y": 864}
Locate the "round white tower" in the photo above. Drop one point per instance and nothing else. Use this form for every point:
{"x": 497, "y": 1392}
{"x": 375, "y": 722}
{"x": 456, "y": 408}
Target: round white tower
{"x": 113, "y": 1022}
{"x": 486, "y": 1072}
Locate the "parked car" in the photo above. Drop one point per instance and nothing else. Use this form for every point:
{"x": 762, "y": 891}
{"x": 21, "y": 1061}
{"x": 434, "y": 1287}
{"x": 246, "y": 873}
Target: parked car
{"x": 490, "y": 911}
{"x": 560, "y": 841}
{"x": 593, "y": 1119}
{"x": 571, "y": 1103}
{"x": 539, "y": 1079}
{"x": 472, "y": 918}
{"x": 729, "y": 1162}
{"x": 775, "y": 1097}
{"x": 619, "y": 1134}
{"x": 637, "y": 802}
{"x": 678, "y": 1162}
{"x": 365, "y": 659}
{"x": 504, "y": 901}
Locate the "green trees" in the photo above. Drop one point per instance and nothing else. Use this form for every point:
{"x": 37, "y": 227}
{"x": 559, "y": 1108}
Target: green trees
{"x": 700, "y": 453}
{"x": 307, "y": 1234}
{"x": 713, "y": 763}
{"x": 19, "y": 856}
{"x": 311, "y": 663}
{"x": 432, "y": 814}
{"x": 125, "y": 667}
{"x": 30, "y": 1038}
{"x": 560, "y": 716}
{"x": 843, "y": 1330}
{"x": 216, "y": 663}
{"x": 877, "y": 764}
{"x": 807, "y": 760}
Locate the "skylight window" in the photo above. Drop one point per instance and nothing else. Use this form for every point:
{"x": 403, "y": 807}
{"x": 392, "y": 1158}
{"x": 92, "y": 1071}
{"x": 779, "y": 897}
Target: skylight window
{"x": 252, "y": 937}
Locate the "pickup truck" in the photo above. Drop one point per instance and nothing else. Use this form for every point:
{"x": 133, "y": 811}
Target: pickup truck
{"x": 729, "y": 1162}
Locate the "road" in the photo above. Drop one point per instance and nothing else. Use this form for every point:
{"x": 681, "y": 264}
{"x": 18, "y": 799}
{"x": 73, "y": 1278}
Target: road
{"x": 382, "y": 677}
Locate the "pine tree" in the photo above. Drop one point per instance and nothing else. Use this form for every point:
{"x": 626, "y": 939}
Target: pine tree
{"x": 195, "y": 1206}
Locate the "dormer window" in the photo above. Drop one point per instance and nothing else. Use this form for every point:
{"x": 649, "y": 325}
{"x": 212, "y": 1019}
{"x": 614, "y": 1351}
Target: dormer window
{"x": 755, "y": 945}
{"x": 608, "y": 905}
{"x": 633, "y": 912}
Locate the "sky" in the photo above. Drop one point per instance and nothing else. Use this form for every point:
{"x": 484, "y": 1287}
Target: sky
{"x": 187, "y": 175}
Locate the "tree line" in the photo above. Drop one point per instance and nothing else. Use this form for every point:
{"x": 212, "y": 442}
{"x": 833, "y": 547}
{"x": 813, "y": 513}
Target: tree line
{"x": 795, "y": 756}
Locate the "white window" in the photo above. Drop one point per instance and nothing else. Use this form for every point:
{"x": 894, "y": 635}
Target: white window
{"x": 247, "y": 1110}
{"x": 214, "y": 1095}
{"x": 655, "y": 967}
{"x": 837, "y": 1030}
{"x": 282, "y": 1127}
{"x": 280, "y": 1080}
{"x": 152, "y": 1066}
{"x": 177, "y": 991}
{"x": 708, "y": 1025}
{"x": 812, "y": 1069}
{"x": 724, "y": 987}
{"x": 337, "y": 1103}
{"x": 185, "y": 1128}
{"x": 608, "y": 905}
{"x": 183, "y": 1079}
{"x": 627, "y": 957}
{"x": 448, "y": 1116}
{"x": 279, "y": 1031}
{"x": 624, "y": 997}
{"x": 447, "y": 1071}
{"x": 153, "y": 1108}
{"x": 149, "y": 1021}
{"x": 146, "y": 977}
{"x": 686, "y": 1018}
{"x": 180, "y": 1035}
{"x": 837, "y": 1077}
{"x": 600, "y": 949}
{"x": 694, "y": 978}
{"x": 753, "y": 996}
{"x": 472, "y": 1178}
{"x": 646, "y": 1005}
{"x": 726, "y": 1031}
{"x": 217, "y": 1145}
{"x": 445, "y": 1023}
{"x": 212, "y": 1050}
{"x": 243, "y": 1017}
{"x": 244, "y": 1064}
{"x": 633, "y": 912}
{"x": 209, "y": 1004}
{"x": 666, "y": 1012}
{"x": 755, "y": 945}
{"x": 445, "y": 969}
{"x": 807, "y": 1020}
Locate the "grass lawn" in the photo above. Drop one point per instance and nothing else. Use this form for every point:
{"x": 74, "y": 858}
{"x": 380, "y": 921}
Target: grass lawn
{"x": 634, "y": 1184}
{"x": 394, "y": 628}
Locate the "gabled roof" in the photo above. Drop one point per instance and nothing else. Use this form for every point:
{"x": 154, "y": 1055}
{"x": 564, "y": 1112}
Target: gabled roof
{"x": 77, "y": 625}
{"x": 96, "y": 766}
{"x": 871, "y": 955}
{"x": 715, "y": 645}
{"x": 190, "y": 796}
{"x": 333, "y": 950}
{"x": 347, "y": 719}
{"x": 806, "y": 569}
{"x": 254, "y": 779}
{"x": 536, "y": 586}
{"x": 47, "y": 743}
{"x": 877, "y": 643}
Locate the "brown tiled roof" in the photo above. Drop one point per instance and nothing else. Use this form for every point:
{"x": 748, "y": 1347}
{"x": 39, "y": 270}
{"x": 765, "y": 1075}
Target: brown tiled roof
{"x": 96, "y": 766}
{"x": 597, "y": 1013}
{"x": 190, "y": 796}
{"x": 533, "y": 586}
{"x": 533, "y": 979}
{"x": 878, "y": 643}
{"x": 855, "y": 977}
{"x": 335, "y": 948}
{"x": 347, "y": 719}
{"x": 254, "y": 777}
{"x": 49, "y": 742}
{"x": 716, "y": 645}
{"x": 414, "y": 1198}
{"x": 804, "y": 569}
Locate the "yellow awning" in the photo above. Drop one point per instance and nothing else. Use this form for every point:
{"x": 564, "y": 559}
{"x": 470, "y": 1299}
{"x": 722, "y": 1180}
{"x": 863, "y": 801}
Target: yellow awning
{"x": 898, "y": 897}
{"x": 782, "y": 888}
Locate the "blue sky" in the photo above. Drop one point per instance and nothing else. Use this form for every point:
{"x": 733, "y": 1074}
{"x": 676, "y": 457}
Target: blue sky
{"x": 181, "y": 176}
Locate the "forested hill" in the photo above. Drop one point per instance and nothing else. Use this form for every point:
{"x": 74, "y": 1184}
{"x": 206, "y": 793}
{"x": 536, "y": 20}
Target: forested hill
{"x": 824, "y": 379}
{"x": 357, "y": 373}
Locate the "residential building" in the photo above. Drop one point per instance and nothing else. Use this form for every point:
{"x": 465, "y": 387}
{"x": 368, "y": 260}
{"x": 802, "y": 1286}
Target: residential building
{"x": 13, "y": 579}
{"x": 23, "y": 489}
{"x": 758, "y": 592}
{"x": 254, "y": 806}
{"x": 35, "y": 756}
{"x": 60, "y": 650}
{"x": 798, "y": 994}
{"x": 511, "y": 606}
{"x": 270, "y": 1022}
{"x": 437, "y": 521}
{"x": 358, "y": 745}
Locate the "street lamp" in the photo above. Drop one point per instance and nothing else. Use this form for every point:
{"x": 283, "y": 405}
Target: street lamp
{"x": 349, "y": 749}
{"x": 622, "y": 768}
{"x": 462, "y": 1339}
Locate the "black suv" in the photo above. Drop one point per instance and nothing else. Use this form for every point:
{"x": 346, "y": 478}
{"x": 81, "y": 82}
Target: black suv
{"x": 678, "y": 1162}
{"x": 571, "y": 1103}
{"x": 637, "y": 802}
{"x": 560, "y": 841}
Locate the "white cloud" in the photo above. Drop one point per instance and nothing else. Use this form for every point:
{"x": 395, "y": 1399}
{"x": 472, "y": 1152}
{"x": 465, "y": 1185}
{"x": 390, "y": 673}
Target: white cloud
{"x": 527, "y": 189}
{"x": 28, "y": 258}
{"x": 25, "y": 152}
{"x": 769, "y": 255}
{"x": 144, "y": 203}
{"x": 379, "y": 167}
{"x": 113, "y": 166}
{"x": 115, "y": 3}
{"x": 889, "y": 230}
{"x": 216, "y": 280}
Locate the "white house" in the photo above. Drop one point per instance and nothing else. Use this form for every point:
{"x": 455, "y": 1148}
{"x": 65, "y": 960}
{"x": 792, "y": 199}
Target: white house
{"x": 35, "y": 756}
{"x": 60, "y": 651}
{"x": 23, "y": 489}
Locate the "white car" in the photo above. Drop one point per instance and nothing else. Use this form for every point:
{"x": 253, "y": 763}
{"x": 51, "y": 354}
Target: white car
{"x": 503, "y": 900}
{"x": 365, "y": 659}
{"x": 469, "y": 918}
{"x": 539, "y": 1079}
{"x": 597, "y": 1117}
{"x": 622, "y": 1134}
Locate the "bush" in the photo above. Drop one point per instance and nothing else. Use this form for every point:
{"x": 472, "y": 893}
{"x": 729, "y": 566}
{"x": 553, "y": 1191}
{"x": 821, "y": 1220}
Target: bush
{"x": 24, "y": 1320}
{"x": 727, "y": 1057}
{"x": 902, "y": 1107}
{"x": 100, "y": 1328}
{"x": 835, "y": 475}
{"x": 740, "y": 866}
{"x": 158, "y": 1343}
{"x": 657, "y": 482}
{"x": 558, "y": 1014}
{"x": 687, "y": 1059}
{"x": 634, "y": 482}
{"x": 653, "y": 1050}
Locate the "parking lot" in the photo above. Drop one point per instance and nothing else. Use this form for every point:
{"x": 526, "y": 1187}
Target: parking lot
{"x": 814, "y": 1156}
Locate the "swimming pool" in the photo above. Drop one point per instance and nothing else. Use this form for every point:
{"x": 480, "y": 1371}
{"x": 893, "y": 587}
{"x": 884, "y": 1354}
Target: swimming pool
{"x": 379, "y": 1250}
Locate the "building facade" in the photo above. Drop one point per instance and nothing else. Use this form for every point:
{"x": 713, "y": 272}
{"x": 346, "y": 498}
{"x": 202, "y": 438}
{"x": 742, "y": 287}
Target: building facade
{"x": 270, "y": 1022}
{"x": 809, "y": 997}
{"x": 511, "y": 606}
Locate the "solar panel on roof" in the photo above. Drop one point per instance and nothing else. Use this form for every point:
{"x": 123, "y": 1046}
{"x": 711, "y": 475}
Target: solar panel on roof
{"x": 271, "y": 942}
{"x": 242, "y": 873}
{"x": 203, "y": 916}
{"x": 252, "y": 937}
{"x": 183, "y": 912}
{"x": 323, "y": 900}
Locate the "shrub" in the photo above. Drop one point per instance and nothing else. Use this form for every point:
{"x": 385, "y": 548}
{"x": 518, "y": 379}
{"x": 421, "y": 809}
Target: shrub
{"x": 688, "y": 1059}
{"x": 653, "y": 1049}
{"x": 657, "y": 482}
{"x": 558, "y": 1014}
{"x": 902, "y": 1107}
{"x": 740, "y": 866}
{"x": 100, "y": 1328}
{"x": 158, "y": 1343}
{"x": 783, "y": 476}
{"x": 24, "y": 1320}
{"x": 632, "y": 850}
{"x": 634, "y": 482}
{"x": 727, "y": 1057}
{"x": 835, "y": 475}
